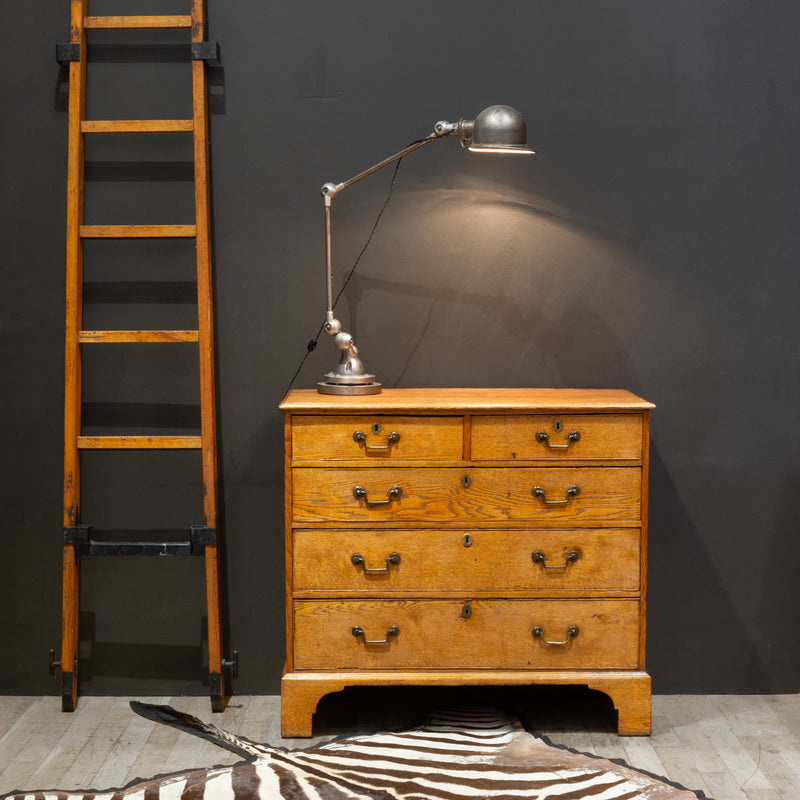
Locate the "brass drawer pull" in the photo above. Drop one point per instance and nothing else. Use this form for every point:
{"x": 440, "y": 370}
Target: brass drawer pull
{"x": 360, "y": 493}
{"x": 393, "y": 631}
{"x": 392, "y": 558}
{"x": 573, "y": 436}
{"x": 539, "y": 558}
{"x": 391, "y": 439}
{"x": 572, "y": 491}
{"x": 572, "y": 632}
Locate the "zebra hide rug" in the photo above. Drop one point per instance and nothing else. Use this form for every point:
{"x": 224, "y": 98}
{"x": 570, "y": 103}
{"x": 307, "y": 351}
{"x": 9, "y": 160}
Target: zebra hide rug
{"x": 457, "y": 754}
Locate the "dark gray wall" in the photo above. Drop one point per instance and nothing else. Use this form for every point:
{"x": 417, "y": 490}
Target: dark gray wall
{"x": 652, "y": 244}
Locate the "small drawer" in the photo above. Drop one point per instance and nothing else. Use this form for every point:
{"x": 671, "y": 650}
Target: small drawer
{"x": 569, "y": 436}
{"x": 377, "y": 438}
{"x": 550, "y": 496}
{"x": 373, "y": 562}
{"x": 465, "y": 634}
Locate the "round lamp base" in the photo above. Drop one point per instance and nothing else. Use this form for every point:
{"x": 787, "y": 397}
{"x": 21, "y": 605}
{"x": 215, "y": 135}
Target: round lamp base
{"x": 349, "y": 389}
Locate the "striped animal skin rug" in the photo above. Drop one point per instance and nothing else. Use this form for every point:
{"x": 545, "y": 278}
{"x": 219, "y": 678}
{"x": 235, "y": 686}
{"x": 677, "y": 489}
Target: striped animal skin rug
{"x": 457, "y": 754}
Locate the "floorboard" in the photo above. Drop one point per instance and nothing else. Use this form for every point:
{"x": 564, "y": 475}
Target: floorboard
{"x": 732, "y": 747}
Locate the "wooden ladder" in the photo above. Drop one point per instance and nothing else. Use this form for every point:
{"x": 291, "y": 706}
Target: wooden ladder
{"x": 77, "y": 536}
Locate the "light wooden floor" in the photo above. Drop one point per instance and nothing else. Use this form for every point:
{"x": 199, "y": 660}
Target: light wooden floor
{"x": 743, "y": 747}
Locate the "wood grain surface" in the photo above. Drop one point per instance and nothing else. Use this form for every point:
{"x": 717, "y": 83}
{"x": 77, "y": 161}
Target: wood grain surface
{"x": 435, "y": 634}
{"x": 467, "y": 400}
{"x": 607, "y": 496}
{"x": 438, "y": 561}
{"x": 514, "y": 437}
{"x": 316, "y": 438}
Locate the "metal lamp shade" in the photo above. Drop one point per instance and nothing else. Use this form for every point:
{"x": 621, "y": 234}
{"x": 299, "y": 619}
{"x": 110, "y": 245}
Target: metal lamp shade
{"x": 499, "y": 129}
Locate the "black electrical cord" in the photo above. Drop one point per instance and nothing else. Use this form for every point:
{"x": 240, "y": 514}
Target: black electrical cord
{"x": 313, "y": 343}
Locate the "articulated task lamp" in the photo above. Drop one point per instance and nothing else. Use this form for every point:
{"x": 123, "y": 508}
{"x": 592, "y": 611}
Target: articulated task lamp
{"x": 497, "y": 129}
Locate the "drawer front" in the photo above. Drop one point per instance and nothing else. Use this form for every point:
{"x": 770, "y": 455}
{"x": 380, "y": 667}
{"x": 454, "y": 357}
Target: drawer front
{"x": 558, "y": 437}
{"x": 377, "y": 438}
{"x": 491, "y": 634}
{"x": 380, "y": 562}
{"x": 549, "y": 496}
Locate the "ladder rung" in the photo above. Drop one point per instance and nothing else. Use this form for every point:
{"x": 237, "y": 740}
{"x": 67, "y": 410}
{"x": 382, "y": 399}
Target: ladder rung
{"x": 110, "y": 337}
{"x": 137, "y": 126}
{"x": 152, "y": 21}
{"x": 139, "y": 442}
{"x": 137, "y": 231}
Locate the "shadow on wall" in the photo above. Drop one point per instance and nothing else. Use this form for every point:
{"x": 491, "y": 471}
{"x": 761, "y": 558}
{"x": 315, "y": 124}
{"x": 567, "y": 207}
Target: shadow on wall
{"x": 158, "y": 668}
{"x": 780, "y": 587}
{"x": 694, "y": 635}
{"x": 473, "y": 287}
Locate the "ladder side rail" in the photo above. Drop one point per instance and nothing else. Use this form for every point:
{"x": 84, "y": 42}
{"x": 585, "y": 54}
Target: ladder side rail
{"x": 205, "y": 325}
{"x": 72, "y": 357}
{"x": 204, "y": 278}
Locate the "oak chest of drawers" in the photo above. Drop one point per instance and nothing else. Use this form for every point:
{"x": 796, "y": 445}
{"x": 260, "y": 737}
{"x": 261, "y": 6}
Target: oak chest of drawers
{"x": 466, "y": 537}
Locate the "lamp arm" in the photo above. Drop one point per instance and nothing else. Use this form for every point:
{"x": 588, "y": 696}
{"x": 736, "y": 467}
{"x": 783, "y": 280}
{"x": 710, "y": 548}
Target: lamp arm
{"x": 331, "y": 190}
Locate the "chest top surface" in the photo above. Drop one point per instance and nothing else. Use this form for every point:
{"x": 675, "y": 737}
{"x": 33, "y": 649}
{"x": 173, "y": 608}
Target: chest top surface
{"x": 467, "y": 400}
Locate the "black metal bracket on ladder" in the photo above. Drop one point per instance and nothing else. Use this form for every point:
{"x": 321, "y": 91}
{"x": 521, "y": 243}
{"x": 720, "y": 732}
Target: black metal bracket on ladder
{"x": 233, "y": 664}
{"x": 67, "y": 677}
{"x": 199, "y": 537}
{"x": 68, "y": 52}
{"x": 200, "y": 51}
{"x": 206, "y": 51}
{"x": 54, "y": 665}
{"x": 215, "y": 689}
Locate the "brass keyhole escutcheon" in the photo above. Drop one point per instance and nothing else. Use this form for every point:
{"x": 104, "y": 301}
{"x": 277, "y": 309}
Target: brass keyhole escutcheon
{"x": 558, "y": 426}
{"x": 466, "y": 480}
{"x": 376, "y": 428}
{"x": 466, "y": 611}
{"x": 466, "y": 539}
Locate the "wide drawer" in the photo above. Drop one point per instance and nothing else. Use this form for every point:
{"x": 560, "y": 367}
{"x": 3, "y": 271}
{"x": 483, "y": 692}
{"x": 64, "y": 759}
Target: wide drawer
{"x": 550, "y": 496}
{"x": 465, "y": 634}
{"x": 569, "y": 436}
{"x": 376, "y": 438}
{"x": 377, "y": 562}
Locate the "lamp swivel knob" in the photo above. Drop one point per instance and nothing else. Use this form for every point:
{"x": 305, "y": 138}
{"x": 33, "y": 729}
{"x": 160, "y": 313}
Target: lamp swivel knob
{"x": 344, "y": 341}
{"x": 330, "y": 190}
